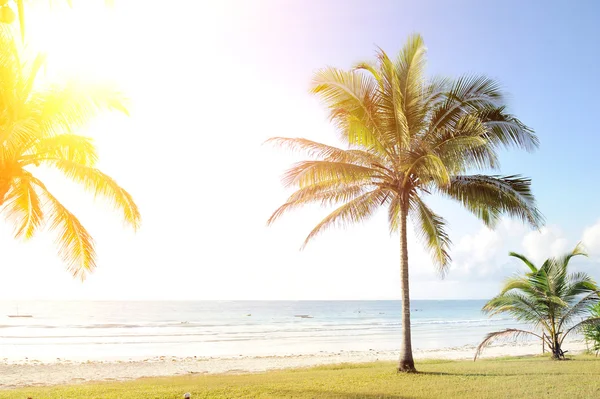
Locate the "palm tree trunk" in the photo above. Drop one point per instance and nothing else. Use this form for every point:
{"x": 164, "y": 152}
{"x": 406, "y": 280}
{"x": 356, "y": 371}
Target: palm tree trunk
{"x": 557, "y": 353}
{"x": 406, "y": 363}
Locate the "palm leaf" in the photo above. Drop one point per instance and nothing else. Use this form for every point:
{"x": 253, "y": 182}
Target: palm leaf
{"x": 76, "y": 245}
{"x": 326, "y": 152}
{"x": 351, "y": 96}
{"x": 506, "y": 130}
{"x": 326, "y": 194}
{"x": 524, "y": 259}
{"x": 502, "y": 335}
{"x": 307, "y": 173}
{"x": 488, "y": 197}
{"x": 102, "y": 185}
{"x": 592, "y": 321}
{"x": 24, "y": 208}
{"x": 431, "y": 228}
{"x": 520, "y": 306}
{"x": 61, "y": 109}
{"x": 582, "y": 307}
{"x": 356, "y": 210}
{"x": 67, "y": 147}
{"x": 410, "y": 68}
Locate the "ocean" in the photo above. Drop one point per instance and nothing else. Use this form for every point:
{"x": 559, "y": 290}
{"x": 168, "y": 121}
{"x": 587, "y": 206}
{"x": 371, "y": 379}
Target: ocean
{"x": 99, "y": 331}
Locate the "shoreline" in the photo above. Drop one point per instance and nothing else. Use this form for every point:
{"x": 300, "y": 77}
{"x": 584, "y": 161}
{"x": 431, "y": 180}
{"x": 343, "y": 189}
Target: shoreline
{"x": 32, "y": 373}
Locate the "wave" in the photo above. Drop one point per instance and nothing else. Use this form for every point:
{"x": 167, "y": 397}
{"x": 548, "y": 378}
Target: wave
{"x": 305, "y": 325}
{"x": 109, "y": 331}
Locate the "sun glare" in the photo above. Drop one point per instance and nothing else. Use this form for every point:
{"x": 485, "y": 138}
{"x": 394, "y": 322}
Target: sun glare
{"x": 85, "y": 41}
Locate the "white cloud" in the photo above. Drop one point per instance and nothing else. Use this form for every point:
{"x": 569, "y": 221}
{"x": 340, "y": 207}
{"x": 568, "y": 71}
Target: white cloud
{"x": 591, "y": 239}
{"x": 484, "y": 255}
{"x": 548, "y": 242}
{"x": 476, "y": 253}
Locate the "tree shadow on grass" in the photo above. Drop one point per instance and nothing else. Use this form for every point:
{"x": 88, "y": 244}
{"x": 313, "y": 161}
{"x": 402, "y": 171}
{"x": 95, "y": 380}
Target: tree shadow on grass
{"x": 288, "y": 393}
{"x": 442, "y": 373}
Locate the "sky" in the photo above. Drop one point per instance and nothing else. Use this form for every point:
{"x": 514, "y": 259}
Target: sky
{"x": 209, "y": 82}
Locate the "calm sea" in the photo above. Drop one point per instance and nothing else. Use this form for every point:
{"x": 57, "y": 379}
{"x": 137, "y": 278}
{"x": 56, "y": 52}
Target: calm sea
{"x": 135, "y": 330}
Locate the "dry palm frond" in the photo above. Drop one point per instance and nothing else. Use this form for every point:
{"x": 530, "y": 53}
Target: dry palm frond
{"x": 509, "y": 333}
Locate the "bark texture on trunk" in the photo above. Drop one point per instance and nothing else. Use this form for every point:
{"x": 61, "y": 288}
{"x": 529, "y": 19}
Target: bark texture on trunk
{"x": 406, "y": 363}
{"x": 557, "y": 352}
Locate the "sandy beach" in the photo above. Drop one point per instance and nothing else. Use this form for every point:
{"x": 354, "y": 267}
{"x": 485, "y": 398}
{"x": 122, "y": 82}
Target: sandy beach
{"x": 36, "y": 373}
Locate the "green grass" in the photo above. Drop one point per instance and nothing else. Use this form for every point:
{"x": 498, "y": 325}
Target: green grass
{"x": 504, "y": 378}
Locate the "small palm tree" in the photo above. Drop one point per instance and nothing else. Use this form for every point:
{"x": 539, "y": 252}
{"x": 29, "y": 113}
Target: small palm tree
{"x": 408, "y": 137}
{"x": 37, "y": 125}
{"x": 550, "y": 299}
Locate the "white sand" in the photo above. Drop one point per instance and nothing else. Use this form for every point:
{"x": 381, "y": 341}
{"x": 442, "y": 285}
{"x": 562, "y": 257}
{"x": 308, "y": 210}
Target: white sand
{"x": 35, "y": 373}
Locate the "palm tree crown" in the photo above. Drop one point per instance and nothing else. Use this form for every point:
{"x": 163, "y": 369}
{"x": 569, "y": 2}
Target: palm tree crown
{"x": 408, "y": 137}
{"x": 37, "y": 127}
{"x": 549, "y": 298}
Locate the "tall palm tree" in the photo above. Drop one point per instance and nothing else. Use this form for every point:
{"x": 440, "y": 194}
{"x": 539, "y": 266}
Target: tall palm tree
{"x": 37, "y": 129}
{"x": 408, "y": 137}
{"x": 548, "y": 298}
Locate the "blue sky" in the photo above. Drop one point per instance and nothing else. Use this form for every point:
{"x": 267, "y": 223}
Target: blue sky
{"x": 545, "y": 54}
{"x": 218, "y": 78}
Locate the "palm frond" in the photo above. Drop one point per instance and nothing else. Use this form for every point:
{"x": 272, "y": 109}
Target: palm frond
{"x": 351, "y": 98}
{"x": 21, "y": 12}
{"x": 509, "y": 333}
{"x": 430, "y": 168}
{"x": 100, "y": 184}
{"x": 520, "y": 306}
{"x": 468, "y": 94}
{"x": 75, "y": 243}
{"x": 62, "y": 109}
{"x": 410, "y": 68}
{"x": 431, "y": 228}
{"x": 32, "y": 72}
{"x": 592, "y": 321}
{"x": 578, "y": 284}
{"x": 488, "y": 197}
{"x": 23, "y": 207}
{"x": 372, "y": 69}
{"x": 519, "y": 283}
{"x": 524, "y": 259}
{"x": 465, "y": 146}
{"x": 326, "y": 152}
{"x": 506, "y": 130}
{"x": 326, "y": 194}
{"x": 356, "y": 210}
{"x": 308, "y": 173}
{"x": 582, "y": 307}
{"x": 391, "y": 105}
{"x": 67, "y": 147}
{"x": 394, "y": 213}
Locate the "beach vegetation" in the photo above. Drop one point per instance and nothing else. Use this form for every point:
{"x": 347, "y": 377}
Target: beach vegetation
{"x": 550, "y": 299}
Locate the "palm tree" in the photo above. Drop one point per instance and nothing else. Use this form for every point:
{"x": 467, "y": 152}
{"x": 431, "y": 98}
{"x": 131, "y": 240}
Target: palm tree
{"x": 551, "y": 300}
{"x": 408, "y": 137}
{"x": 37, "y": 125}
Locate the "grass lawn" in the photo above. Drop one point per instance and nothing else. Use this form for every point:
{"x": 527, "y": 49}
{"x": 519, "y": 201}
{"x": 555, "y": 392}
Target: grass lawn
{"x": 500, "y": 378}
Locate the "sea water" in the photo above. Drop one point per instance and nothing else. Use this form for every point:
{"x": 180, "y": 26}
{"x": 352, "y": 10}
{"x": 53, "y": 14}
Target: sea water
{"x": 95, "y": 331}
